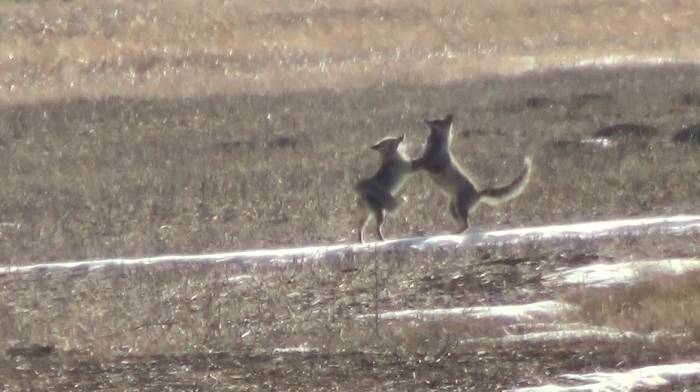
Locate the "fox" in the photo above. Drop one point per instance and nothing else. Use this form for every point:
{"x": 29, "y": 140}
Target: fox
{"x": 377, "y": 194}
{"x": 455, "y": 182}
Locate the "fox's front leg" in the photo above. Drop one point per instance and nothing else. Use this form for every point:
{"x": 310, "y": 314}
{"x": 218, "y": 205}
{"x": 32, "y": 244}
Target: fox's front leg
{"x": 417, "y": 164}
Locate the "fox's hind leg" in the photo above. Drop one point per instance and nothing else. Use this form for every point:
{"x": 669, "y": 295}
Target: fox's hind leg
{"x": 453, "y": 209}
{"x": 361, "y": 226}
{"x": 464, "y": 223}
{"x": 460, "y": 210}
{"x": 379, "y": 217}
{"x": 460, "y": 214}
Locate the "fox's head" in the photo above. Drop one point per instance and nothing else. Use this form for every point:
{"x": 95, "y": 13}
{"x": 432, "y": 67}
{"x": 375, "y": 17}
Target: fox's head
{"x": 440, "y": 130}
{"x": 388, "y": 146}
{"x": 441, "y": 125}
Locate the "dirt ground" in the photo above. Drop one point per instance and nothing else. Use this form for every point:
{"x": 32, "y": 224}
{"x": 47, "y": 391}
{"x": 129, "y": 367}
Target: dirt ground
{"x": 126, "y": 150}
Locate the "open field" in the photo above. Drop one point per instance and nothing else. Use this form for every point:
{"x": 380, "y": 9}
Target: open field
{"x": 54, "y": 50}
{"x": 97, "y": 166}
{"x": 121, "y": 177}
{"x": 130, "y": 129}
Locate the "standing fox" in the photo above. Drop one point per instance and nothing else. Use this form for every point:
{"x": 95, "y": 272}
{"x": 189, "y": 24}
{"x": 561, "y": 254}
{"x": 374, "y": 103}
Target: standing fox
{"x": 454, "y": 182}
{"x": 377, "y": 193}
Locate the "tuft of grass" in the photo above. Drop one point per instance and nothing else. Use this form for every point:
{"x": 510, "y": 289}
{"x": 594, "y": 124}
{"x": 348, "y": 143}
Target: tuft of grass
{"x": 660, "y": 302}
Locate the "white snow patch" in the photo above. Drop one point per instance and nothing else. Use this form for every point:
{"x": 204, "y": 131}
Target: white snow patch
{"x": 521, "y": 64}
{"x": 596, "y": 229}
{"x": 647, "y": 377}
{"x": 302, "y": 349}
{"x": 330, "y": 253}
{"x": 607, "y": 275}
{"x": 625, "y": 59}
{"x": 590, "y": 333}
{"x": 240, "y": 278}
{"x": 603, "y": 142}
{"x": 538, "y": 311}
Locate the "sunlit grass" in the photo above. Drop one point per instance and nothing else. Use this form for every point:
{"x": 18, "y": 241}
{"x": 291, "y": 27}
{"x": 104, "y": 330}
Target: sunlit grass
{"x": 659, "y": 302}
{"x": 97, "y": 49}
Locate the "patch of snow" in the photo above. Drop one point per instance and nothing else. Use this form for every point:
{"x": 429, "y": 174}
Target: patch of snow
{"x": 603, "y": 142}
{"x": 591, "y": 333}
{"x": 625, "y": 59}
{"x": 295, "y": 350}
{"x": 521, "y": 64}
{"x": 596, "y": 229}
{"x": 607, "y": 275}
{"x": 330, "y": 253}
{"x": 647, "y": 377}
{"x": 545, "y": 310}
{"x": 680, "y": 223}
{"x": 240, "y": 278}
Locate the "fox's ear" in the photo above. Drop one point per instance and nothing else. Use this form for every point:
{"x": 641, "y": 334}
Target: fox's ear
{"x": 448, "y": 118}
{"x": 400, "y": 138}
{"x": 377, "y": 146}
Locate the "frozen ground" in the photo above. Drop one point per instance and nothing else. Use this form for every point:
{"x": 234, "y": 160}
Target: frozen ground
{"x": 534, "y": 312}
{"x": 542, "y": 323}
{"x": 606, "y": 275}
{"x": 649, "y": 378}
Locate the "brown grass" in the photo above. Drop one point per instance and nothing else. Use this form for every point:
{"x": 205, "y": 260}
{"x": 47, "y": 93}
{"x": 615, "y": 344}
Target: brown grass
{"x": 132, "y": 128}
{"x": 185, "y": 48}
{"x": 660, "y": 302}
{"x": 118, "y": 177}
{"x": 143, "y": 327}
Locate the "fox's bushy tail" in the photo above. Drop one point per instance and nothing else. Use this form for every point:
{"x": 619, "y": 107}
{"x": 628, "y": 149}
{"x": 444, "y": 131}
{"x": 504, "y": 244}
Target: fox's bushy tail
{"x": 498, "y": 195}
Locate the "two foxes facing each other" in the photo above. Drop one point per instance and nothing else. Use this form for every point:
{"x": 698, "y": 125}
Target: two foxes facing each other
{"x": 377, "y": 194}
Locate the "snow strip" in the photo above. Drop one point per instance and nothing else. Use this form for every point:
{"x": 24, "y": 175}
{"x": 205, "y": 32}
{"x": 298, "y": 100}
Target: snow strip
{"x": 266, "y": 257}
{"x": 586, "y": 230}
{"x": 240, "y": 278}
{"x": 646, "y": 377}
{"x": 603, "y": 142}
{"x": 616, "y": 274}
{"x": 538, "y": 311}
{"x": 620, "y": 59}
{"x": 589, "y": 334}
{"x": 303, "y": 349}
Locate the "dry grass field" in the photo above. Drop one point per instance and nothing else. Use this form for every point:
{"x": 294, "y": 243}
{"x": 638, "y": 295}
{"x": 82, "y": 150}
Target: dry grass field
{"x": 139, "y": 128}
{"x": 126, "y": 177}
{"x": 205, "y": 327}
{"x": 80, "y": 48}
